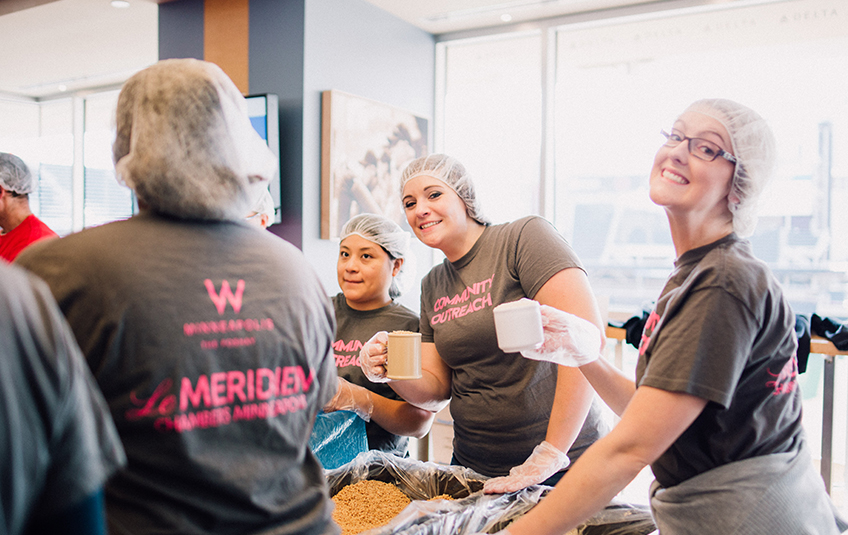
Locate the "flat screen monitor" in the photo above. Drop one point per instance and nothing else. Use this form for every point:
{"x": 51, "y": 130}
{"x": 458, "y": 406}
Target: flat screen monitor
{"x": 264, "y": 116}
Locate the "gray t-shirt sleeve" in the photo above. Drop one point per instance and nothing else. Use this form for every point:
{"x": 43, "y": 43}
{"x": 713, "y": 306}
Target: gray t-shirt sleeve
{"x": 67, "y": 444}
{"x": 540, "y": 253}
{"x": 85, "y": 443}
{"x": 701, "y": 348}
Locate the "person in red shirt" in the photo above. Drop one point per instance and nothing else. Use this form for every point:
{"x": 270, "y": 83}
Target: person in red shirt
{"x": 18, "y": 225}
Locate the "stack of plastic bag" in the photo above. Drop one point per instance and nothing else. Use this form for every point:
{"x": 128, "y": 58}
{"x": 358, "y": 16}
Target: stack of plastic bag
{"x": 337, "y": 438}
{"x": 470, "y": 511}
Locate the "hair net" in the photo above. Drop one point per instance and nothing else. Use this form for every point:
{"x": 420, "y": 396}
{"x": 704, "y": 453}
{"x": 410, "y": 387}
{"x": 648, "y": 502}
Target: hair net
{"x": 185, "y": 144}
{"x": 451, "y": 172}
{"x": 15, "y": 175}
{"x": 393, "y": 239}
{"x": 753, "y": 144}
{"x": 264, "y": 205}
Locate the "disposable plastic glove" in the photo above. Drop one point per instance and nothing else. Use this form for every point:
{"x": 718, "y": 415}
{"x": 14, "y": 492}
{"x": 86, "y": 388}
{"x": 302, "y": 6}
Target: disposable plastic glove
{"x": 569, "y": 340}
{"x": 373, "y": 357}
{"x": 351, "y": 397}
{"x": 544, "y": 462}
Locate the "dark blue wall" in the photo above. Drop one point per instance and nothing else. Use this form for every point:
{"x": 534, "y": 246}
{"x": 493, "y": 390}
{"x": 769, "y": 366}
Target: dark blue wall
{"x": 276, "y": 66}
{"x": 181, "y": 29}
{"x": 355, "y": 47}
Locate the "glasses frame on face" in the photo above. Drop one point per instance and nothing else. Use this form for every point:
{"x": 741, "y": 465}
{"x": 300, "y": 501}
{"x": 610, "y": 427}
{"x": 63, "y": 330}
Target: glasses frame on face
{"x": 695, "y": 146}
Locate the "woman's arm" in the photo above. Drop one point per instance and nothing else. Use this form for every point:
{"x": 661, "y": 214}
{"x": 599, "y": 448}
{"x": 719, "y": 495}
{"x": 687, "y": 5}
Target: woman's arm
{"x": 400, "y": 417}
{"x": 614, "y": 387}
{"x": 432, "y": 392}
{"x": 569, "y": 290}
{"x": 395, "y": 416}
{"x": 653, "y": 420}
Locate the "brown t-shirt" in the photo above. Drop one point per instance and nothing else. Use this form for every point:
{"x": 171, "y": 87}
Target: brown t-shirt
{"x": 353, "y": 329}
{"x": 723, "y": 331}
{"x": 500, "y": 402}
{"x": 212, "y": 344}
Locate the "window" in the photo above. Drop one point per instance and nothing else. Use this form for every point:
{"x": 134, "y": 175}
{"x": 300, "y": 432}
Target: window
{"x": 72, "y": 193}
{"x": 612, "y": 85}
{"x": 105, "y": 199}
{"x": 617, "y": 84}
{"x": 492, "y": 108}
{"x": 55, "y": 160}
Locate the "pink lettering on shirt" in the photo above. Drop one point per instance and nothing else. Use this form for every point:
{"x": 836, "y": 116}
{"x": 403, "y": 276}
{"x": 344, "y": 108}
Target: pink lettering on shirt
{"x": 785, "y": 381}
{"x": 226, "y": 294}
{"x": 648, "y": 331}
{"x": 472, "y": 299}
{"x": 347, "y": 347}
{"x": 342, "y": 360}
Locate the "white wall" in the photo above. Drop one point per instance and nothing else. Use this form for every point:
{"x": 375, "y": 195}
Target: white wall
{"x": 354, "y": 47}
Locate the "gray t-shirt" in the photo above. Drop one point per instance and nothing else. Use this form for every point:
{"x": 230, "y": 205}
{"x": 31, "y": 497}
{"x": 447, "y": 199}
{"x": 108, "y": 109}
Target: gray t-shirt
{"x": 58, "y": 444}
{"x": 354, "y": 328}
{"x": 723, "y": 331}
{"x": 500, "y": 402}
{"x": 212, "y": 343}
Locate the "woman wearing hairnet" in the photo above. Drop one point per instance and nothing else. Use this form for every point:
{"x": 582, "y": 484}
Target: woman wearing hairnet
{"x": 514, "y": 421}
{"x": 211, "y": 341}
{"x": 715, "y": 409}
{"x": 372, "y": 264}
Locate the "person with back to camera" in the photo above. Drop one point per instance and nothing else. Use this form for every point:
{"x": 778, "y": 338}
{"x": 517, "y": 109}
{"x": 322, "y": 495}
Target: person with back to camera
{"x": 211, "y": 342}
{"x": 58, "y": 445}
{"x": 715, "y": 409}
{"x": 514, "y": 421}
{"x": 373, "y": 257}
{"x": 19, "y": 226}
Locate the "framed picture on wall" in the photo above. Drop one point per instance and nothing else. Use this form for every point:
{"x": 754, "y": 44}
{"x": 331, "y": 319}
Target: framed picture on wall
{"x": 365, "y": 146}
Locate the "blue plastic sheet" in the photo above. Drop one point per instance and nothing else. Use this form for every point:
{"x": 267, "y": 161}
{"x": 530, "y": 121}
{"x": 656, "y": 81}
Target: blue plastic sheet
{"x": 337, "y": 438}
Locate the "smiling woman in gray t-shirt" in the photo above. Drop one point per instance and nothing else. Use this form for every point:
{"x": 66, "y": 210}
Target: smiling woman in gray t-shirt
{"x": 511, "y": 418}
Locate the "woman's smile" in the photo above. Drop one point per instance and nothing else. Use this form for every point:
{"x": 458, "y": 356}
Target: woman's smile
{"x": 674, "y": 176}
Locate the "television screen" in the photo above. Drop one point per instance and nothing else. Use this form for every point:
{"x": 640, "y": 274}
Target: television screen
{"x": 264, "y": 116}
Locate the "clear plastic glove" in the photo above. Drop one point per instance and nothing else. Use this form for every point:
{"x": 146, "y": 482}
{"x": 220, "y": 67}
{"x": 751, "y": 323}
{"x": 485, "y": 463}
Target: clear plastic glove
{"x": 569, "y": 340}
{"x": 351, "y": 397}
{"x": 544, "y": 462}
{"x": 373, "y": 357}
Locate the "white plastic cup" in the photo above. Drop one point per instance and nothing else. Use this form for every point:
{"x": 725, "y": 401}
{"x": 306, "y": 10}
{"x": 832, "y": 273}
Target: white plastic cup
{"x": 518, "y": 325}
{"x": 404, "y": 355}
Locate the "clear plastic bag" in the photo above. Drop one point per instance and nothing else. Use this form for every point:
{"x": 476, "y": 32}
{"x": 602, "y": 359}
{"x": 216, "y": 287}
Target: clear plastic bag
{"x": 470, "y": 511}
{"x": 337, "y": 438}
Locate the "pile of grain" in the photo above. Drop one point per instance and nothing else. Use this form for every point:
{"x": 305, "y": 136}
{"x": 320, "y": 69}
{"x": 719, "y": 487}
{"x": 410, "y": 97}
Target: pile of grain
{"x": 366, "y": 505}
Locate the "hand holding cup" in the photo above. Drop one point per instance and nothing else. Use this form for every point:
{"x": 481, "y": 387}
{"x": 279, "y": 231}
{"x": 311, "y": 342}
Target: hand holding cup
{"x": 372, "y": 358}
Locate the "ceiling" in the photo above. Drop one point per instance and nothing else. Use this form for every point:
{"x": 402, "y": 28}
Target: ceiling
{"x": 54, "y": 46}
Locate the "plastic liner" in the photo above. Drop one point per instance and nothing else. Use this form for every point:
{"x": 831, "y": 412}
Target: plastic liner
{"x": 337, "y": 438}
{"x": 470, "y": 511}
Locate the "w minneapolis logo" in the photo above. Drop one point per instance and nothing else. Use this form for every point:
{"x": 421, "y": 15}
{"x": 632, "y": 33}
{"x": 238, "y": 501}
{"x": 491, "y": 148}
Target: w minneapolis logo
{"x": 225, "y": 295}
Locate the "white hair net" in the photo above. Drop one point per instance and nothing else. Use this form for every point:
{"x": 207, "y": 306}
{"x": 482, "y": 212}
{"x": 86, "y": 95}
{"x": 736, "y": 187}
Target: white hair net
{"x": 393, "y": 239}
{"x": 264, "y": 205}
{"x": 15, "y": 175}
{"x": 185, "y": 144}
{"x": 451, "y": 172}
{"x": 753, "y": 144}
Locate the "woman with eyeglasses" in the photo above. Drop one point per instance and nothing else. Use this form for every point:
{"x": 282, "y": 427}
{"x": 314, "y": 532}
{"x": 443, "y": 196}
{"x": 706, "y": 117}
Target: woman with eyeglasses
{"x": 715, "y": 409}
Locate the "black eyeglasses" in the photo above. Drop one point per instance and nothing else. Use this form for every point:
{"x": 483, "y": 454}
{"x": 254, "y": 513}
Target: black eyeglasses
{"x": 699, "y": 148}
